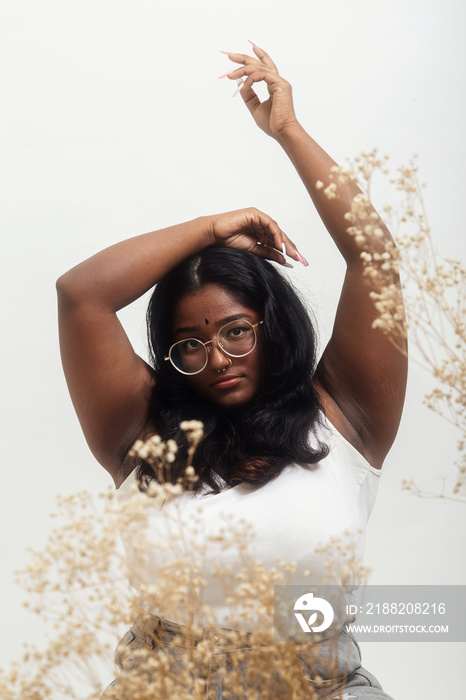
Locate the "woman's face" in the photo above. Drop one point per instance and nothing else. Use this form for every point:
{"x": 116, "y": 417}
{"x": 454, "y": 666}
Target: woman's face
{"x": 226, "y": 381}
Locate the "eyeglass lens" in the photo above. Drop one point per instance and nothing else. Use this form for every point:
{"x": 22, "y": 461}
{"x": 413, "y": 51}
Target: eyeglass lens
{"x": 237, "y": 339}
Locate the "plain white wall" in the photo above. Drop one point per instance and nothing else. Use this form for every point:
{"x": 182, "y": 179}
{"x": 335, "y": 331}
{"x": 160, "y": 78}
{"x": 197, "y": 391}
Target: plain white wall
{"x": 114, "y": 123}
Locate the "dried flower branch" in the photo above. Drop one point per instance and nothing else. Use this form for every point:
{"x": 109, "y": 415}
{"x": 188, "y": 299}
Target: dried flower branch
{"x": 434, "y": 288}
{"x": 78, "y": 586}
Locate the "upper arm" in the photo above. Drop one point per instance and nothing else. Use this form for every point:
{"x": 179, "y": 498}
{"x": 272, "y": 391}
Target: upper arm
{"x": 110, "y": 385}
{"x": 362, "y": 371}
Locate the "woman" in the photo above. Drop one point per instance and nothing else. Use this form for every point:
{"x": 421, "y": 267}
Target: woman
{"x": 233, "y": 346}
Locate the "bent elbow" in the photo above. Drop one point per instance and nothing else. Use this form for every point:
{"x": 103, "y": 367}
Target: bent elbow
{"x": 63, "y": 289}
{"x": 69, "y": 290}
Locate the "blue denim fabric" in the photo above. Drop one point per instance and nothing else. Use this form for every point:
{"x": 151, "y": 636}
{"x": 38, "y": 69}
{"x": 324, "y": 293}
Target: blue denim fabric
{"x": 347, "y": 681}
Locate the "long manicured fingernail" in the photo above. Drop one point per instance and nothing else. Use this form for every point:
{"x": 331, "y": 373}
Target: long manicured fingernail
{"x": 240, "y": 84}
{"x": 301, "y": 259}
{"x": 225, "y": 74}
{"x": 252, "y": 43}
{"x": 287, "y": 264}
{"x": 283, "y": 248}
{"x": 227, "y": 52}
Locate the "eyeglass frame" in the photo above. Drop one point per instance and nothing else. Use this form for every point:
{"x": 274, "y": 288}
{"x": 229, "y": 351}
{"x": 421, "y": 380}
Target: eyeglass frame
{"x": 214, "y": 340}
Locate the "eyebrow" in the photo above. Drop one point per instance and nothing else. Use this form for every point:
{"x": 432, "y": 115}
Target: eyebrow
{"x": 219, "y": 324}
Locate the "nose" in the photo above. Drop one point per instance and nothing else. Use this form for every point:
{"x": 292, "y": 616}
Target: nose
{"x": 218, "y": 359}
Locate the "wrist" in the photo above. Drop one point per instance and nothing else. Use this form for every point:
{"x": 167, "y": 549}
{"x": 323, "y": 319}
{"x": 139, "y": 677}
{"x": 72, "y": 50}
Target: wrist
{"x": 207, "y": 227}
{"x": 288, "y": 132}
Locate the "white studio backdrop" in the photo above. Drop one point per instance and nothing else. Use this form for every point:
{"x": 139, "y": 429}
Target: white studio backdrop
{"x": 114, "y": 123}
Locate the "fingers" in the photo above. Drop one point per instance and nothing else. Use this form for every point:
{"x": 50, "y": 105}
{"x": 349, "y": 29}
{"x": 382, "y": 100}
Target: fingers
{"x": 289, "y": 248}
{"x": 264, "y": 57}
{"x": 253, "y": 70}
{"x": 247, "y": 92}
{"x": 239, "y": 57}
{"x": 255, "y": 74}
{"x": 253, "y": 230}
{"x": 267, "y": 253}
{"x": 256, "y": 71}
{"x": 266, "y": 228}
{"x": 250, "y": 98}
{"x": 276, "y": 240}
{"x": 265, "y": 250}
{"x": 273, "y": 243}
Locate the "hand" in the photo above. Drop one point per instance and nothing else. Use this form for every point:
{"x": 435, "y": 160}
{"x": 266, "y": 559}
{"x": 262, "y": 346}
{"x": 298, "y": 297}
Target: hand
{"x": 277, "y": 112}
{"x": 254, "y": 231}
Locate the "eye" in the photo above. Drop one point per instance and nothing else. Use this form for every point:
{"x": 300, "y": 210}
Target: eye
{"x": 190, "y": 345}
{"x": 237, "y": 332}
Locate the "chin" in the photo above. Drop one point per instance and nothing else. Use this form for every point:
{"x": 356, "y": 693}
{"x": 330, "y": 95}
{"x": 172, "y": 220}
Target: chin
{"x": 231, "y": 400}
{"x": 230, "y": 403}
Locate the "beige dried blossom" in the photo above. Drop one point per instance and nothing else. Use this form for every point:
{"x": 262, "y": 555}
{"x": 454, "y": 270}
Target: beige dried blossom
{"x": 160, "y": 456}
{"x": 433, "y": 288}
{"x": 78, "y": 586}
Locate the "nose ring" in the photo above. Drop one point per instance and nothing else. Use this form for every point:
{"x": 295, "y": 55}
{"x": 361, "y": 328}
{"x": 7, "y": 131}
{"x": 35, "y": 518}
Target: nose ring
{"x": 224, "y": 368}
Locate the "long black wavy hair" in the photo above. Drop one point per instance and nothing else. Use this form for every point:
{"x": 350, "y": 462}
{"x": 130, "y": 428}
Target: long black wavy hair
{"x": 255, "y": 443}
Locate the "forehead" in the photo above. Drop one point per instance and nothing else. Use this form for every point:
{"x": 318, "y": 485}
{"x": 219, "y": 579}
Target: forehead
{"x": 212, "y": 303}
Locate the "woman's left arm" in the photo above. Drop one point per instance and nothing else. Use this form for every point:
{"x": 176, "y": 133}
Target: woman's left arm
{"x": 361, "y": 376}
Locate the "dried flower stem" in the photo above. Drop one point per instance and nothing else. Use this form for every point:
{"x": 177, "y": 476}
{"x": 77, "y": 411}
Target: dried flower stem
{"x": 434, "y": 289}
{"x": 78, "y": 585}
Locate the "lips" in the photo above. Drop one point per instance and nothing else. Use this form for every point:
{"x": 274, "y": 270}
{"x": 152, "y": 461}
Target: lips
{"x": 227, "y": 381}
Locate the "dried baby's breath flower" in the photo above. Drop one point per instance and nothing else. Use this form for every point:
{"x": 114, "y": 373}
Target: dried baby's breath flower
{"x": 433, "y": 288}
{"x": 79, "y": 585}
{"x": 331, "y": 191}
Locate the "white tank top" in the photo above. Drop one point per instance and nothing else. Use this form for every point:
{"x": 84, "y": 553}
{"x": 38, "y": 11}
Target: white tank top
{"x": 293, "y": 517}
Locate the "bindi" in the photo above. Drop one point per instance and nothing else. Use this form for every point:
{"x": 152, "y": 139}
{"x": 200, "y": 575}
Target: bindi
{"x": 206, "y": 321}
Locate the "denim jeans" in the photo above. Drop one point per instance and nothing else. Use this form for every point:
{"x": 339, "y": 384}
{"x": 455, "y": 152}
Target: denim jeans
{"x": 339, "y": 666}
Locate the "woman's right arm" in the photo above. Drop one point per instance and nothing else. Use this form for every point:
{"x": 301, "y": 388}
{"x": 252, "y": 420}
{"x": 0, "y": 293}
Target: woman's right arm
{"x": 110, "y": 385}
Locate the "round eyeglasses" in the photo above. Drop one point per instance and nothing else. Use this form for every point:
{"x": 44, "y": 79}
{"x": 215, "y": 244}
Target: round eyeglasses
{"x": 235, "y": 339}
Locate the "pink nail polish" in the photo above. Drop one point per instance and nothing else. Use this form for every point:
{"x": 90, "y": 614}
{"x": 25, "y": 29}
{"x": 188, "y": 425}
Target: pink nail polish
{"x": 301, "y": 259}
{"x": 225, "y": 74}
{"x": 227, "y": 52}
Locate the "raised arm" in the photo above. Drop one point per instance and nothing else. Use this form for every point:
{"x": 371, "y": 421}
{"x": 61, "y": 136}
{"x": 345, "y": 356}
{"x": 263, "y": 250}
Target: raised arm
{"x": 110, "y": 385}
{"x": 361, "y": 376}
